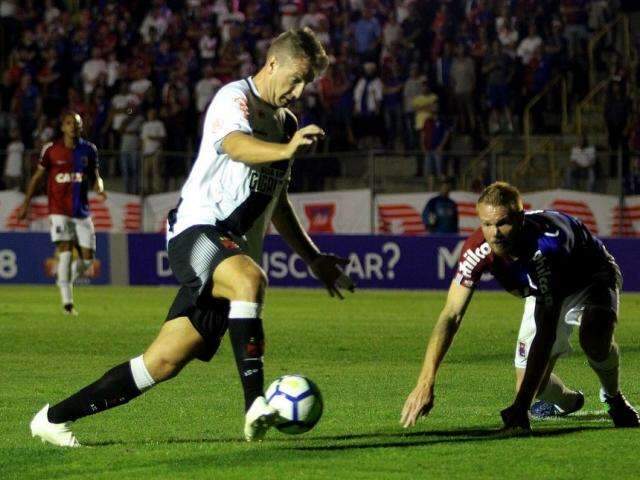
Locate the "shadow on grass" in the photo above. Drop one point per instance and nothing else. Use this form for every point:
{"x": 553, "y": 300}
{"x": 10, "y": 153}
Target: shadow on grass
{"x": 433, "y": 437}
{"x": 168, "y": 441}
{"x": 385, "y": 439}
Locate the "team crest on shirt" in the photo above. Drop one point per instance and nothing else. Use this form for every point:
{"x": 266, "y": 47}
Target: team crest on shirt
{"x": 229, "y": 244}
{"x": 522, "y": 349}
{"x": 242, "y": 104}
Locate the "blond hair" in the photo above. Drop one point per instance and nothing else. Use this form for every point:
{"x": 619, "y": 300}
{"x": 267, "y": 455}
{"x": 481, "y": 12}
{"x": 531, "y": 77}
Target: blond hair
{"x": 300, "y": 43}
{"x": 502, "y": 194}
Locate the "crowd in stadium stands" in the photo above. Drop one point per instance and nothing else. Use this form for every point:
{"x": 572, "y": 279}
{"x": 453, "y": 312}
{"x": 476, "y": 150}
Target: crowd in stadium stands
{"x": 403, "y": 74}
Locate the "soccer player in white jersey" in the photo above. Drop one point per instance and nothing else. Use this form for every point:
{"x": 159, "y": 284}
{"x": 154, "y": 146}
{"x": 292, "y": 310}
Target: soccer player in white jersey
{"x": 236, "y": 187}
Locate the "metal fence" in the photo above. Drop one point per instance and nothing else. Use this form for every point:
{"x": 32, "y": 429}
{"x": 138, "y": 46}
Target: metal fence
{"x": 382, "y": 171}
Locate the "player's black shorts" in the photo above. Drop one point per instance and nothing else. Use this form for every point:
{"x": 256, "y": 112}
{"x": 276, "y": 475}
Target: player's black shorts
{"x": 193, "y": 256}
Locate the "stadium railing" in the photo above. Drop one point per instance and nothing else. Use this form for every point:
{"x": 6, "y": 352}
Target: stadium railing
{"x": 548, "y": 89}
{"x": 386, "y": 171}
{"x": 591, "y": 105}
{"x": 621, "y": 21}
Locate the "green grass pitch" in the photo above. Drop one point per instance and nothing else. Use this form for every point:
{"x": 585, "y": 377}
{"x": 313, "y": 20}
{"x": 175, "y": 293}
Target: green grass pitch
{"x": 364, "y": 353}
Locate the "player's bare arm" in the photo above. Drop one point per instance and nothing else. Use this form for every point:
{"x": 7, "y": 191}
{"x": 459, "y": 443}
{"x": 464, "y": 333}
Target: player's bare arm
{"x": 31, "y": 189}
{"x": 516, "y": 416}
{"x": 420, "y": 400}
{"x": 98, "y": 186}
{"x": 326, "y": 267}
{"x": 245, "y": 148}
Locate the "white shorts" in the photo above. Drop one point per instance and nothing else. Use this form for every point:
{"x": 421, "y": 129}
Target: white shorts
{"x": 561, "y": 346}
{"x": 66, "y": 229}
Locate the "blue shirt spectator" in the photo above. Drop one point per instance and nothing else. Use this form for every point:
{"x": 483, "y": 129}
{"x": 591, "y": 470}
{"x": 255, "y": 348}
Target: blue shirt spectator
{"x": 367, "y": 33}
{"x": 440, "y": 215}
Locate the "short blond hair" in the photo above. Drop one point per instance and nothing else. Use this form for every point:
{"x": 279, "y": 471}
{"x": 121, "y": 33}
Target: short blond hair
{"x": 502, "y": 194}
{"x": 300, "y": 43}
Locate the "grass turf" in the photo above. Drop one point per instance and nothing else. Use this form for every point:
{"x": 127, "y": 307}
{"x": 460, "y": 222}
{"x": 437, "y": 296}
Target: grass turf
{"x": 364, "y": 353}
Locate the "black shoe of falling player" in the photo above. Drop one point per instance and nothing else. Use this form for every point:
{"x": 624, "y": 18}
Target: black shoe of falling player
{"x": 621, "y": 411}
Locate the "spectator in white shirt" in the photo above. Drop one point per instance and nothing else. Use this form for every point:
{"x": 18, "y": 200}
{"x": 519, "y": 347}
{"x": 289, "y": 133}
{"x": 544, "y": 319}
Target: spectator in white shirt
{"x": 367, "y": 101}
{"x": 122, "y": 104}
{"x": 208, "y": 43}
{"x": 582, "y": 164}
{"x": 154, "y": 20}
{"x": 93, "y": 70}
{"x": 152, "y": 135}
{"x": 312, "y": 18}
{"x": 205, "y": 89}
{"x": 13, "y": 164}
{"x": 529, "y": 45}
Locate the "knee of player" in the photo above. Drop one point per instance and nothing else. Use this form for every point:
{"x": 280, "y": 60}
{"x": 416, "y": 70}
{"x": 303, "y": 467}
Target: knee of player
{"x": 250, "y": 285}
{"x": 161, "y": 368}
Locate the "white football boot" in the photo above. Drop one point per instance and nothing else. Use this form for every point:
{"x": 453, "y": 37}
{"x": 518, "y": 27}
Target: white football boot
{"x": 259, "y": 418}
{"x": 55, "y": 433}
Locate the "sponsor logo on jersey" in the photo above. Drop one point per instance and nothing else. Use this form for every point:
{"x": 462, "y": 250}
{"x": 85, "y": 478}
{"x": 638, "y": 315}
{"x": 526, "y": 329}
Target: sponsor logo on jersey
{"x": 69, "y": 177}
{"x": 266, "y": 180}
{"x": 543, "y": 275}
{"x": 472, "y": 257}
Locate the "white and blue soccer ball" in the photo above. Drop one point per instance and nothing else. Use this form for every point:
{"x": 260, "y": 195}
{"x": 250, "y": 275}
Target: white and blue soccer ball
{"x": 298, "y": 402}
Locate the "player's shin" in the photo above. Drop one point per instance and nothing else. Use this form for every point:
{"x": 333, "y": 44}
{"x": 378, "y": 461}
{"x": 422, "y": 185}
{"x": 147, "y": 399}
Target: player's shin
{"x": 116, "y": 387}
{"x": 247, "y": 339}
{"x": 64, "y": 277}
{"x": 608, "y": 370}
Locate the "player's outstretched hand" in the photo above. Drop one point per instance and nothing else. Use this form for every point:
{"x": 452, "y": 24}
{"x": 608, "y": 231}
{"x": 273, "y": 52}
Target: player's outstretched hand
{"x": 304, "y": 139}
{"x": 328, "y": 269}
{"x": 516, "y": 421}
{"x": 102, "y": 196}
{"x": 23, "y": 211}
{"x": 418, "y": 404}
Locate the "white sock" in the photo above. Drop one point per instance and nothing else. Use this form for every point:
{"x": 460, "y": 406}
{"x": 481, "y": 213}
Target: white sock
{"x": 239, "y": 309}
{"x": 141, "y": 376}
{"x": 63, "y": 274}
{"x": 608, "y": 371}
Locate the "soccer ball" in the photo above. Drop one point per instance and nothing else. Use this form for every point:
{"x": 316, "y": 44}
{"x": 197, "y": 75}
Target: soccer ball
{"x": 298, "y": 402}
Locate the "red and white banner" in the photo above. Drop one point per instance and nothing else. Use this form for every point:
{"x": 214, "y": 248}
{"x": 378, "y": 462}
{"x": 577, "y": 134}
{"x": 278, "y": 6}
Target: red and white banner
{"x": 323, "y": 212}
{"x": 119, "y": 213}
{"x": 156, "y": 209}
{"x": 346, "y": 211}
{"x": 401, "y": 214}
{"x": 343, "y": 212}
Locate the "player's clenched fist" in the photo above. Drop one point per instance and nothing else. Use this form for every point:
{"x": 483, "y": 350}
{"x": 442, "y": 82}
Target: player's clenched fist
{"x": 304, "y": 138}
{"x": 419, "y": 403}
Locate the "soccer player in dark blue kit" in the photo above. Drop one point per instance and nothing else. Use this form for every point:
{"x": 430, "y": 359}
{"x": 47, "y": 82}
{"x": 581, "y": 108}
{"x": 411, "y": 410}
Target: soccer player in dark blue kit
{"x": 575, "y": 281}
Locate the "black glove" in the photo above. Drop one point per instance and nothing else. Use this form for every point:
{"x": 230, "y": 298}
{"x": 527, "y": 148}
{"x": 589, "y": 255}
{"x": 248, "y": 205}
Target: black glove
{"x": 516, "y": 419}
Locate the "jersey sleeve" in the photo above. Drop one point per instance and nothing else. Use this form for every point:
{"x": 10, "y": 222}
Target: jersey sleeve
{"x": 475, "y": 259}
{"x": 228, "y": 112}
{"x": 45, "y": 157}
{"x": 550, "y": 264}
